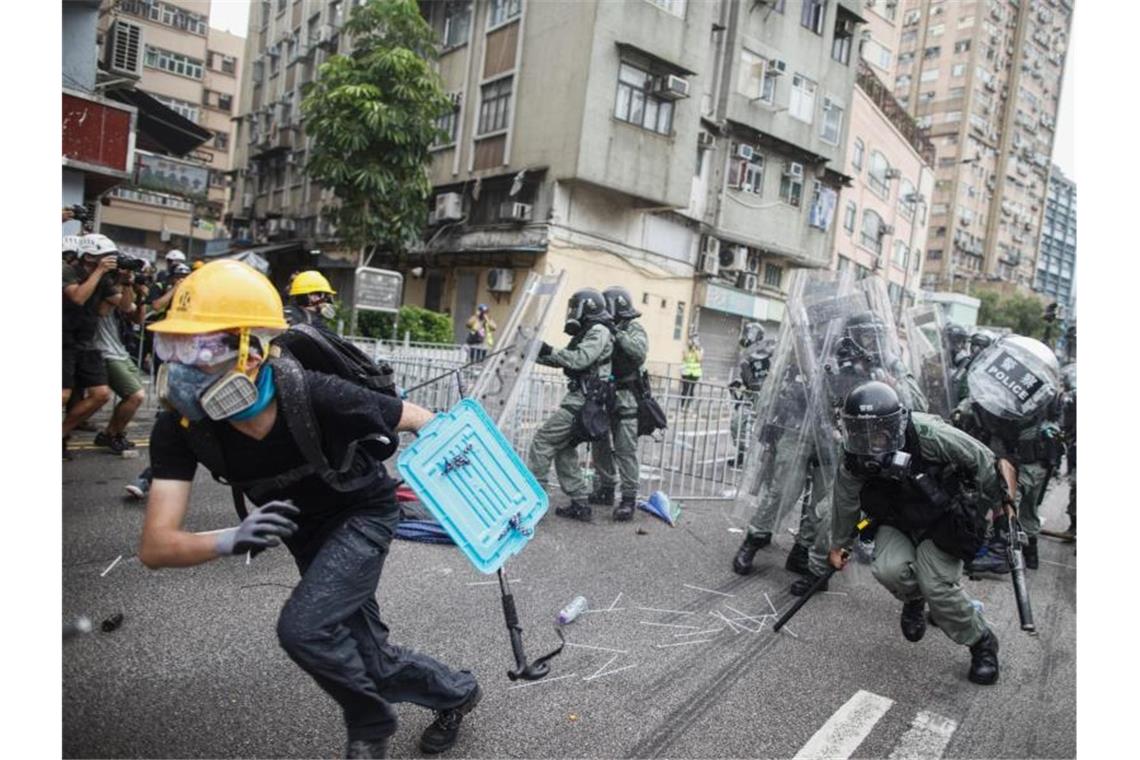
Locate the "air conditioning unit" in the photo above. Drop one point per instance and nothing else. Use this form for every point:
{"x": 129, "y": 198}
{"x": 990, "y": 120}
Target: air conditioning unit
{"x": 448, "y": 207}
{"x": 777, "y": 67}
{"x": 754, "y": 263}
{"x": 705, "y": 140}
{"x": 671, "y": 87}
{"x": 123, "y": 49}
{"x": 794, "y": 169}
{"x": 886, "y": 229}
{"x": 515, "y": 212}
{"x": 746, "y": 281}
{"x": 893, "y": 173}
{"x": 500, "y": 280}
{"x": 710, "y": 262}
{"x": 744, "y": 151}
{"x": 845, "y": 28}
{"x": 734, "y": 257}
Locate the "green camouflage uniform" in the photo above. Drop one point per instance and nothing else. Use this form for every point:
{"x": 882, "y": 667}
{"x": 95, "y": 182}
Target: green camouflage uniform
{"x": 631, "y": 345}
{"x": 906, "y": 563}
{"x": 589, "y": 351}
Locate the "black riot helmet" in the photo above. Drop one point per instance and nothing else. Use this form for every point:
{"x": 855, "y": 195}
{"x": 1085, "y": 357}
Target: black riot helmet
{"x": 956, "y": 336}
{"x": 587, "y": 307}
{"x": 753, "y": 333}
{"x": 865, "y": 333}
{"x": 874, "y": 431}
{"x": 980, "y": 341}
{"x": 620, "y": 303}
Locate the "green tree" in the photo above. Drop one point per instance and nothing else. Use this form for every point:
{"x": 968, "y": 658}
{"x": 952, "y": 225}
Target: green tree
{"x": 372, "y": 116}
{"x": 1024, "y": 314}
{"x": 424, "y": 326}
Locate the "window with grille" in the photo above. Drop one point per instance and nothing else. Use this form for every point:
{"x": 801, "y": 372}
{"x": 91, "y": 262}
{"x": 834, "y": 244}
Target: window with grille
{"x": 813, "y": 14}
{"x": 503, "y": 11}
{"x": 773, "y": 275}
{"x": 802, "y": 103}
{"x": 173, "y": 63}
{"x": 636, "y": 105}
{"x": 870, "y": 237}
{"x": 495, "y": 105}
{"x": 456, "y": 23}
{"x": 832, "y": 122}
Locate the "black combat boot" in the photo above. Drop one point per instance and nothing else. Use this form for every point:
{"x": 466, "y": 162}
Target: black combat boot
{"x": 983, "y": 659}
{"x": 913, "y": 620}
{"x": 798, "y": 560}
{"x": 800, "y": 587}
{"x": 576, "y": 510}
{"x": 1030, "y": 553}
{"x": 991, "y": 558}
{"x": 602, "y": 495}
{"x": 623, "y": 512}
{"x": 742, "y": 562}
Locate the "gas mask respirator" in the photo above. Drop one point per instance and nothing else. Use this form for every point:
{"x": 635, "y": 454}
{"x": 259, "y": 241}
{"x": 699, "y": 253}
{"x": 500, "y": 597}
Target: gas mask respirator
{"x": 214, "y": 389}
{"x": 892, "y": 465}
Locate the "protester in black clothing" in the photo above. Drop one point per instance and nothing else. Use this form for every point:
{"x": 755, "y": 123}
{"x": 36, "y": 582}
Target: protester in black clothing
{"x": 337, "y": 526}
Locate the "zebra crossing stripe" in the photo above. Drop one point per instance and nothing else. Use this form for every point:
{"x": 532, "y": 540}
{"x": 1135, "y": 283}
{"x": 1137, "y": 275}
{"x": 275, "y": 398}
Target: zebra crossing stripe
{"x": 927, "y": 737}
{"x": 841, "y": 735}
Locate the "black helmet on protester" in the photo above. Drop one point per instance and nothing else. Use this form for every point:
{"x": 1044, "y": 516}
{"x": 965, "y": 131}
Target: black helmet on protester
{"x": 874, "y": 431}
{"x": 620, "y": 303}
{"x": 587, "y": 307}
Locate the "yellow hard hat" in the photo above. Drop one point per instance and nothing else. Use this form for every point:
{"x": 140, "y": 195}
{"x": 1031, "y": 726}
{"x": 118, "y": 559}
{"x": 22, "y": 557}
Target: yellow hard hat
{"x": 223, "y": 295}
{"x": 311, "y": 281}
{"x": 197, "y": 265}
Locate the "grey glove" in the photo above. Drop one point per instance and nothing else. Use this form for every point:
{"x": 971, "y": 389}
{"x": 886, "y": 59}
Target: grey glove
{"x": 258, "y": 530}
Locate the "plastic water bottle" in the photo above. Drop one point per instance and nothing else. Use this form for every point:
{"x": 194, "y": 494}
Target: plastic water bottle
{"x": 576, "y": 607}
{"x": 977, "y": 605}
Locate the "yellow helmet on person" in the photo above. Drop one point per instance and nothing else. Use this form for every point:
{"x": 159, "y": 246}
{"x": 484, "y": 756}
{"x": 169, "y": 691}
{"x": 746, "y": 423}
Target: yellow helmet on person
{"x": 223, "y": 295}
{"x": 310, "y": 281}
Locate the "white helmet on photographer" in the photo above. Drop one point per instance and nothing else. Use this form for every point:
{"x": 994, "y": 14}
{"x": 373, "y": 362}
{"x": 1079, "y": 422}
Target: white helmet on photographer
{"x": 175, "y": 255}
{"x": 72, "y": 243}
{"x": 97, "y": 246}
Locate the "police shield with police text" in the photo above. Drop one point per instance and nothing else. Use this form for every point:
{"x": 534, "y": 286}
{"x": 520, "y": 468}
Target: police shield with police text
{"x": 585, "y": 412}
{"x": 631, "y": 344}
{"x": 928, "y": 487}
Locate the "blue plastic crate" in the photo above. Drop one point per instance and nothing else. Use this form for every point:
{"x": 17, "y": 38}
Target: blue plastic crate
{"x": 471, "y": 480}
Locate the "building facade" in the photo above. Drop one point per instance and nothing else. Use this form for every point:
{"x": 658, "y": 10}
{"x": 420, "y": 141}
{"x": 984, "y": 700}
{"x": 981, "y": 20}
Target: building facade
{"x": 984, "y": 77}
{"x": 177, "y": 201}
{"x": 690, "y": 151}
{"x": 1057, "y": 255}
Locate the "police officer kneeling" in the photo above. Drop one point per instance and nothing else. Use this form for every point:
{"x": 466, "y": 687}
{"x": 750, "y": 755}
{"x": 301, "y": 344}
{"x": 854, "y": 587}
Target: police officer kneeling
{"x": 928, "y": 487}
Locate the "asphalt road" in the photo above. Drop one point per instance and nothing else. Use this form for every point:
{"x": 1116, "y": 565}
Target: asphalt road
{"x": 652, "y": 670}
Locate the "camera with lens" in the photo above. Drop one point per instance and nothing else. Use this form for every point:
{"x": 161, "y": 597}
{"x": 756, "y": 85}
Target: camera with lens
{"x": 79, "y": 213}
{"x": 129, "y": 263}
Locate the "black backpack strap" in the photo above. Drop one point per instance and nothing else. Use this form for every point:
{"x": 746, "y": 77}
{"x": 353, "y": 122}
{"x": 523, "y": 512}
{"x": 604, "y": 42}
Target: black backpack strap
{"x": 208, "y": 451}
{"x": 293, "y": 399}
{"x": 239, "y": 502}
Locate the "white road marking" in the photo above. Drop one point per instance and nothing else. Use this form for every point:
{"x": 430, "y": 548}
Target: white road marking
{"x": 727, "y": 621}
{"x": 599, "y": 670}
{"x": 1058, "y": 564}
{"x": 769, "y": 600}
{"x": 744, "y": 615}
{"x": 708, "y": 590}
{"x": 683, "y": 643}
{"x": 845, "y": 730}
{"x": 614, "y": 604}
{"x": 610, "y": 672}
{"x": 927, "y": 737}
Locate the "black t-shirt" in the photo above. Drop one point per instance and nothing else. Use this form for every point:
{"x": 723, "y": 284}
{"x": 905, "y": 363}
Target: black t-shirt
{"x": 344, "y": 412}
{"x": 80, "y": 321}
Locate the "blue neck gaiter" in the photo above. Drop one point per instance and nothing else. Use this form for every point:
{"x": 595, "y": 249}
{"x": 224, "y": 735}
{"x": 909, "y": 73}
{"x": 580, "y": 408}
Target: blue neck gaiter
{"x": 266, "y": 390}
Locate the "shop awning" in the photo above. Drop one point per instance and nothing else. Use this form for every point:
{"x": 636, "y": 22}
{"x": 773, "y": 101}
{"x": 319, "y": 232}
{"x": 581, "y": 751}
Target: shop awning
{"x": 162, "y": 129}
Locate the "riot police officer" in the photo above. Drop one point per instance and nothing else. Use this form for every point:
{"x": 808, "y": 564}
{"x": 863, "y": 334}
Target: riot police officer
{"x": 631, "y": 344}
{"x": 586, "y": 362}
{"x": 754, "y": 367}
{"x": 927, "y": 486}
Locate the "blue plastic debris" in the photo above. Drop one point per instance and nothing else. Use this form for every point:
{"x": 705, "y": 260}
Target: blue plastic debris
{"x": 660, "y": 507}
{"x": 470, "y": 479}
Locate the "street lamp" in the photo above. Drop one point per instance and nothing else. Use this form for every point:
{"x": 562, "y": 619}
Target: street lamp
{"x": 913, "y": 199}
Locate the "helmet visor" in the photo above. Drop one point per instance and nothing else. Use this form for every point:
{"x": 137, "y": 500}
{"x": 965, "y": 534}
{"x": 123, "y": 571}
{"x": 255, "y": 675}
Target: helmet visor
{"x": 205, "y": 350}
{"x": 873, "y": 435}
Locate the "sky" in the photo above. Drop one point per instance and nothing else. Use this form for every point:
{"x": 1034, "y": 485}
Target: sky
{"x": 230, "y": 15}
{"x": 233, "y": 16}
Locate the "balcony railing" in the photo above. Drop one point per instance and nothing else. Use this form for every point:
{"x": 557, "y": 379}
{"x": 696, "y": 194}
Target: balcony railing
{"x": 881, "y": 95}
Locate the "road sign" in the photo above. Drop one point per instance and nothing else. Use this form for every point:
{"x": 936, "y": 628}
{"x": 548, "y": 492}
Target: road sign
{"x": 378, "y": 289}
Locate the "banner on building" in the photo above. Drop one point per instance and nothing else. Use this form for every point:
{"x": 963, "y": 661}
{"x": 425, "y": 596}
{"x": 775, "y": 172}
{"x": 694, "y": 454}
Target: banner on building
{"x": 171, "y": 175}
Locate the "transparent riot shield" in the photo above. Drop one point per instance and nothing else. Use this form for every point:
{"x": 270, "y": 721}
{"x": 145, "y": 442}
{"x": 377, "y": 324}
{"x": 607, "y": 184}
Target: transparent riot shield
{"x": 930, "y": 359}
{"x": 1015, "y": 382}
{"x": 774, "y": 473}
{"x": 503, "y": 385}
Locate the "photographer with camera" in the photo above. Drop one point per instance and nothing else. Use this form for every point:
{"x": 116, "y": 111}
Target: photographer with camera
{"x": 122, "y": 374}
{"x": 85, "y": 286}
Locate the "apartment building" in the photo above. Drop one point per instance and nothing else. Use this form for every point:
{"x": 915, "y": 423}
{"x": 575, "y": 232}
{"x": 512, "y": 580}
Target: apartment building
{"x": 686, "y": 150}
{"x": 884, "y": 212}
{"x": 984, "y": 77}
{"x": 1057, "y": 255}
{"x": 176, "y": 200}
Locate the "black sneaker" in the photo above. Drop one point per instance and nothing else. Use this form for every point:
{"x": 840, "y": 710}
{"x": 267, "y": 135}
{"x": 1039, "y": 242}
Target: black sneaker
{"x": 913, "y": 621}
{"x": 119, "y": 444}
{"x": 601, "y": 495}
{"x": 803, "y": 585}
{"x": 366, "y": 750}
{"x": 623, "y": 512}
{"x": 798, "y": 560}
{"x": 440, "y": 736}
{"x": 575, "y": 511}
{"x": 103, "y": 438}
